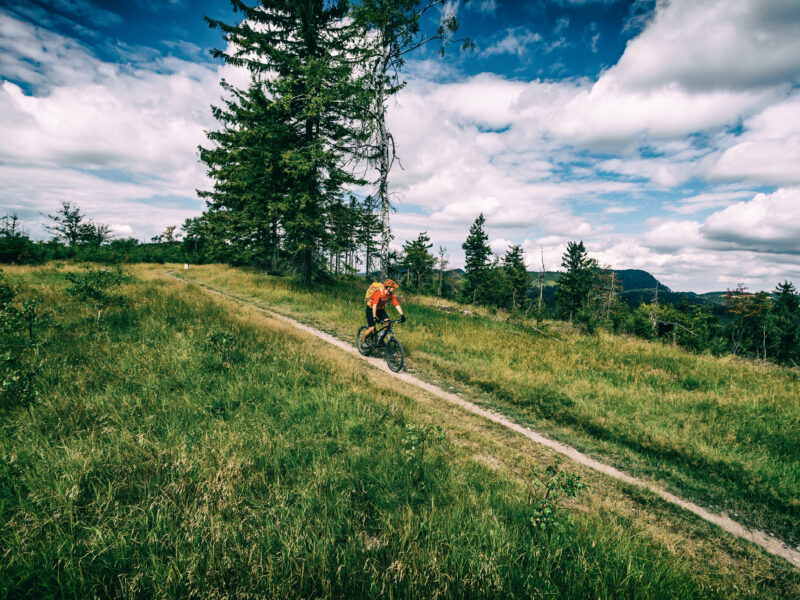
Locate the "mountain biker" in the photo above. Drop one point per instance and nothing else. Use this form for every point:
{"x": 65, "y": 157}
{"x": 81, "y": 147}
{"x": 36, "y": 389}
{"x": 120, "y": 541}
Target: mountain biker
{"x": 376, "y": 302}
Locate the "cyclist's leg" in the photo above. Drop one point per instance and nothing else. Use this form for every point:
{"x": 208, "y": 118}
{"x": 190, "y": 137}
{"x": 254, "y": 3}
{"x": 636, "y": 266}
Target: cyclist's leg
{"x": 382, "y": 316}
{"x": 370, "y": 322}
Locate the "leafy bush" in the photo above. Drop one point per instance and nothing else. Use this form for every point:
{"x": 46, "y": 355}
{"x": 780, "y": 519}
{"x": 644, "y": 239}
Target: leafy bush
{"x": 545, "y": 507}
{"x": 95, "y": 285}
{"x": 18, "y": 323}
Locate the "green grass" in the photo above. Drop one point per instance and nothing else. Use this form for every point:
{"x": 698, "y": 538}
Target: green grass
{"x": 722, "y": 431}
{"x": 178, "y": 449}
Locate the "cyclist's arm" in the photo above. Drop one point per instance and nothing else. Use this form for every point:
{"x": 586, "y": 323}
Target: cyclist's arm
{"x": 396, "y": 305}
{"x": 374, "y": 302}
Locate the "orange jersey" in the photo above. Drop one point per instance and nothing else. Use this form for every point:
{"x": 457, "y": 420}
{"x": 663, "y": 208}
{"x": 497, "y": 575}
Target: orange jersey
{"x": 381, "y": 297}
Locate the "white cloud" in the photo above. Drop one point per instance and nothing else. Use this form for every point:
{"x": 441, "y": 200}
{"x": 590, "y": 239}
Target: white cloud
{"x": 32, "y": 192}
{"x": 488, "y": 7}
{"x": 715, "y": 45}
{"x": 611, "y": 116}
{"x": 705, "y": 201}
{"x": 768, "y": 151}
{"x": 122, "y": 230}
{"x": 669, "y": 236}
{"x": 120, "y": 141}
{"x": 517, "y": 40}
{"x": 661, "y": 172}
{"x": 499, "y": 246}
{"x": 767, "y": 223}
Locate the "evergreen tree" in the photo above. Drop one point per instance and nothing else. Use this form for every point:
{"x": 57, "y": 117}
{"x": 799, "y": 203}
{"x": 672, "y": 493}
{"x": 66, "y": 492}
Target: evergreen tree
{"x": 786, "y": 318}
{"x": 301, "y": 52}
{"x": 750, "y": 329}
{"x": 517, "y": 275}
{"x": 476, "y": 267}
{"x": 418, "y": 261}
{"x": 576, "y": 283}
{"x": 15, "y": 245}
{"x": 497, "y": 289}
{"x": 247, "y": 201}
{"x": 342, "y": 235}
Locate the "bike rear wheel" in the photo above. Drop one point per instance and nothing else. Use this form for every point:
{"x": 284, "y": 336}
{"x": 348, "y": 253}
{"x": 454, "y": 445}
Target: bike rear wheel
{"x": 395, "y": 355}
{"x": 366, "y": 344}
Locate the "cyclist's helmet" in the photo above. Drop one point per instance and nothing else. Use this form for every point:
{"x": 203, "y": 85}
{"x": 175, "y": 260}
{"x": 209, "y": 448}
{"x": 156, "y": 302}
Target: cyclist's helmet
{"x": 389, "y": 283}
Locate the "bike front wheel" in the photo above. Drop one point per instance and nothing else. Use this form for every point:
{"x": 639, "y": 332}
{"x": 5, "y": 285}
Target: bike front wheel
{"x": 395, "y": 355}
{"x": 366, "y": 344}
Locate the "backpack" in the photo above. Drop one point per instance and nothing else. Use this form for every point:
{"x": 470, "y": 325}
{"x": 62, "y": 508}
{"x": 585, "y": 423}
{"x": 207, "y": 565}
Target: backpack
{"x": 376, "y": 285}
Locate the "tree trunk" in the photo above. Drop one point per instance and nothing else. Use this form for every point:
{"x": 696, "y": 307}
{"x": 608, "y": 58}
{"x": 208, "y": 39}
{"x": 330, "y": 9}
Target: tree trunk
{"x": 541, "y": 288}
{"x": 384, "y": 165}
{"x": 274, "y": 247}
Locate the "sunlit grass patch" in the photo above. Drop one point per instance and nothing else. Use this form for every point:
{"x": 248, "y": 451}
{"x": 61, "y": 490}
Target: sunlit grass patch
{"x": 723, "y": 431}
{"x": 179, "y": 449}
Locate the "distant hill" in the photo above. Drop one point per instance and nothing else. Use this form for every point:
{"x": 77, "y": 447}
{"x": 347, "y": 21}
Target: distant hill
{"x": 636, "y": 279}
{"x": 637, "y": 287}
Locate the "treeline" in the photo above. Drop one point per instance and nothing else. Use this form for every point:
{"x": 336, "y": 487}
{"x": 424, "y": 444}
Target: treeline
{"x": 759, "y": 325}
{"x": 76, "y": 237}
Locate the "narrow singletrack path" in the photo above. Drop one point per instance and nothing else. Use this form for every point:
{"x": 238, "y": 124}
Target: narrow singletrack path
{"x": 766, "y": 541}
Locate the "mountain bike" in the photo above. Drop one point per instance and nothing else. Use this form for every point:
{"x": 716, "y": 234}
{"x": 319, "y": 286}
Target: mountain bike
{"x": 382, "y": 337}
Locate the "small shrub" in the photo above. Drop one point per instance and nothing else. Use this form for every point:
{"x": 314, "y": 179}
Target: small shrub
{"x": 16, "y": 382}
{"x": 545, "y": 505}
{"x": 416, "y": 438}
{"x": 95, "y": 285}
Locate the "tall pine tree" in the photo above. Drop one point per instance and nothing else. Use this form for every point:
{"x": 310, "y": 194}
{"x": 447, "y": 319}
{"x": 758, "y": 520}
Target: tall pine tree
{"x": 302, "y": 52}
{"x": 517, "y": 275}
{"x": 577, "y": 281}
{"x": 248, "y": 200}
{"x": 418, "y": 260}
{"x": 786, "y": 317}
{"x": 476, "y": 269}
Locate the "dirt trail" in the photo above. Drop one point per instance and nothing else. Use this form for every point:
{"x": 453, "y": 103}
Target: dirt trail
{"x": 769, "y": 543}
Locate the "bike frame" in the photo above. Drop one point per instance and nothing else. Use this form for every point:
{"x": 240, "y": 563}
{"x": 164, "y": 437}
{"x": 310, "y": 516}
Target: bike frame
{"x": 385, "y": 332}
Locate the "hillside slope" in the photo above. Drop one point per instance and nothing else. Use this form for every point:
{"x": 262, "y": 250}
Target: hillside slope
{"x": 183, "y": 447}
{"x": 722, "y": 431}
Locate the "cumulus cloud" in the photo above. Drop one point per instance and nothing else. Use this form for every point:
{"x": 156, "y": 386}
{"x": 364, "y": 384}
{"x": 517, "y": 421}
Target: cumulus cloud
{"x": 768, "y": 151}
{"x": 121, "y": 230}
{"x": 609, "y": 115}
{"x": 661, "y": 172}
{"x": 119, "y": 140}
{"x": 715, "y": 45}
{"x": 767, "y": 223}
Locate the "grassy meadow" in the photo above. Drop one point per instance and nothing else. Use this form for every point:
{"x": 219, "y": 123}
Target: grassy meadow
{"x": 183, "y": 446}
{"x": 722, "y": 431}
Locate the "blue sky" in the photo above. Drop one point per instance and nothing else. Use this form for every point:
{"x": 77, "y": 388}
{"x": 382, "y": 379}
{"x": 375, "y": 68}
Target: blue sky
{"x": 666, "y": 135}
